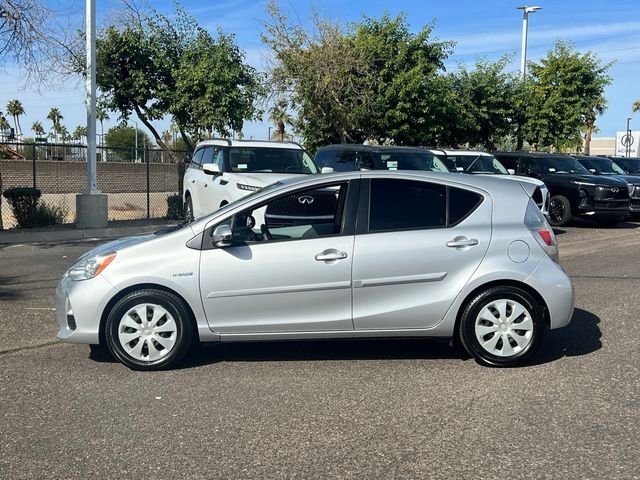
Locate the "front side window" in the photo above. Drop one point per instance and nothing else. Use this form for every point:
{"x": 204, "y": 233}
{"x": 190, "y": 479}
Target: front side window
{"x": 346, "y": 161}
{"x": 270, "y": 160}
{"x": 196, "y": 160}
{"x": 304, "y": 214}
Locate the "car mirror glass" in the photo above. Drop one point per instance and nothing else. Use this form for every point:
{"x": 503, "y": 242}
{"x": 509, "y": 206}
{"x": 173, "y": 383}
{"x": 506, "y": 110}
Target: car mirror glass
{"x": 511, "y": 171}
{"x": 326, "y": 170}
{"x": 221, "y": 236}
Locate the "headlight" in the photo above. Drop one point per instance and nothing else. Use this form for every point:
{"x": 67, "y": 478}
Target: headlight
{"x": 584, "y": 184}
{"x": 90, "y": 267}
{"x": 251, "y": 188}
{"x": 631, "y": 189}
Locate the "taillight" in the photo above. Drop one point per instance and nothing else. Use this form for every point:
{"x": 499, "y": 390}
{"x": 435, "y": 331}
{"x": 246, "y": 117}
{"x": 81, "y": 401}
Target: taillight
{"x": 547, "y": 237}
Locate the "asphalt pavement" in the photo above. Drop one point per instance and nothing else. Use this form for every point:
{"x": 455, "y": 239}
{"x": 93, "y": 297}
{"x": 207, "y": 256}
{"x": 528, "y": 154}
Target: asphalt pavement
{"x": 329, "y": 409}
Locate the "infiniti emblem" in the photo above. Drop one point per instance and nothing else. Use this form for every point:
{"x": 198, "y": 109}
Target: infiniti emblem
{"x": 615, "y": 189}
{"x": 305, "y": 199}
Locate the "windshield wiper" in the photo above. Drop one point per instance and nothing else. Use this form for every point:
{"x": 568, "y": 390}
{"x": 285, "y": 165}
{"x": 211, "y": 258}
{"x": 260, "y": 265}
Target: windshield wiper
{"x": 471, "y": 164}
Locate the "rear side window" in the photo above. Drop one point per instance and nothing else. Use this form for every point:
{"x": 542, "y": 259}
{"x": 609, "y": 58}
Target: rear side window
{"x": 461, "y": 204}
{"x": 413, "y": 205}
{"x": 406, "y": 205}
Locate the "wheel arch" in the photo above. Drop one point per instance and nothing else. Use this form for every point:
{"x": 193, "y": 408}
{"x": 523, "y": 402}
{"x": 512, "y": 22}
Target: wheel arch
{"x": 501, "y": 283}
{"x": 143, "y": 286}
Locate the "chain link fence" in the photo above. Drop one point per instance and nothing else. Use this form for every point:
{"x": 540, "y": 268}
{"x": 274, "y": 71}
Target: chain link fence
{"x": 137, "y": 181}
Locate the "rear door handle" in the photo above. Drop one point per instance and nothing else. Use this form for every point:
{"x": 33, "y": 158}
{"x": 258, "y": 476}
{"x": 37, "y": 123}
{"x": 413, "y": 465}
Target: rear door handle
{"x": 331, "y": 256}
{"x": 460, "y": 242}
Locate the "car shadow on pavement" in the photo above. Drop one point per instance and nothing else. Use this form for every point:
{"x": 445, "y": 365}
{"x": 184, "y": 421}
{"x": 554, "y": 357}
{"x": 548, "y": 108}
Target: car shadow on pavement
{"x": 581, "y": 337}
{"x": 7, "y": 289}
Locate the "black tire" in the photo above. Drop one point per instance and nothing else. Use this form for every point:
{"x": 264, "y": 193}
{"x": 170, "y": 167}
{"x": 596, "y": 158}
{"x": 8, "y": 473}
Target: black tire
{"x": 184, "y": 329}
{"x": 188, "y": 209}
{"x": 559, "y": 211}
{"x": 470, "y": 316}
{"x": 610, "y": 222}
{"x": 100, "y": 352}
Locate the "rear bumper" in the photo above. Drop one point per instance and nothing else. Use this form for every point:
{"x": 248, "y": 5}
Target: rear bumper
{"x": 552, "y": 282}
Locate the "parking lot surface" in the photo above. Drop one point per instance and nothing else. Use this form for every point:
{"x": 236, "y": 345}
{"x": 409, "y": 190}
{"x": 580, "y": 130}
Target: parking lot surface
{"x": 329, "y": 409}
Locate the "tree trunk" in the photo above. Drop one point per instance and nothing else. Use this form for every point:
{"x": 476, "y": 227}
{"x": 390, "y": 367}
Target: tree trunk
{"x": 186, "y": 139}
{"x": 587, "y": 138}
{"x": 519, "y": 138}
{"x": 154, "y": 132}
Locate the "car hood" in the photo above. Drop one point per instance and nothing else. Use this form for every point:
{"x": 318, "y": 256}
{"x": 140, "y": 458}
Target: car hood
{"x": 117, "y": 245}
{"x": 262, "y": 179}
{"x": 600, "y": 180}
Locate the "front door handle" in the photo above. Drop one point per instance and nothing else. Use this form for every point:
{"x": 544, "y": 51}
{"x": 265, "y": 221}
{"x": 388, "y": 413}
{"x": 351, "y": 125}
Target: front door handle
{"x": 331, "y": 255}
{"x": 460, "y": 242}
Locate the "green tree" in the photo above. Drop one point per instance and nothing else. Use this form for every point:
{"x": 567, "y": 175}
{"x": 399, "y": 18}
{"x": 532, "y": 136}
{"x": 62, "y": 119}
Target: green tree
{"x": 376, "y": 80}
{"x": 485, "y": 103}
{"x": 37, "y": 128}
{"x": 4, "y": 126}
{"x": 154, "y": 65}
{"x": 636, "y": 106}
{"x": 55, "y": 117}
{"x": 15, "y": 109}
{"x": 279, "y": 115}
{"x": 101, "y": 116}
{"x": 568, "y": 95}
{"x": 124, "y": 137}
{"x": 79, "y": 133}
{"x": 64, "y": 133}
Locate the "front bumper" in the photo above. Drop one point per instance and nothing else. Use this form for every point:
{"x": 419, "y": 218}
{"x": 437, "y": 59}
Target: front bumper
{"x": 552, "y": 282}
{"x": 79, "y": 307}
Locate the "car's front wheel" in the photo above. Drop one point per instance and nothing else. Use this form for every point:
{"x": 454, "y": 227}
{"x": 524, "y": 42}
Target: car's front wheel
{"x": 149, "y": 330}
{"x": 502, "y": 326}
{"x": 188, "y": 210}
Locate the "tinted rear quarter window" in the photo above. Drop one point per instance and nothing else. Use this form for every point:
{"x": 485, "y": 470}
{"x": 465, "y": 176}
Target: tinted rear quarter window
{"x": 461, "y": 204}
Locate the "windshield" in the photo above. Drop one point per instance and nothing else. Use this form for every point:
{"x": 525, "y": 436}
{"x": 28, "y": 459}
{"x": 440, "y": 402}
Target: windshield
{"x": 270, "y": 160}
{"x": 602, "y": 166}
{"x": 417, "y": 160}
{"x": 563, "y": 165}
{"x": 631, "y": 166}
{"x": 477, "y": 164}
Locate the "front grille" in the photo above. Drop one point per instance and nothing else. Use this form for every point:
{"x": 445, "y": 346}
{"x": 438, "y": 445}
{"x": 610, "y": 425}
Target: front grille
{"x": 612, "y": 193}
{"x": 316, "y": 207}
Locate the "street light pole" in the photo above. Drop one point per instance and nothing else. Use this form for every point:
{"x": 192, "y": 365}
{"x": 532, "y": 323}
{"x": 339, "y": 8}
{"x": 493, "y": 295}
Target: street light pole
{"x": 628, "y": 145}
{"x": 525, "y": 27}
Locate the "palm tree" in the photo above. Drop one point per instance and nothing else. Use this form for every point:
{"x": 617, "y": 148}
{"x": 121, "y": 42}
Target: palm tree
{"x": 278, "y": 114}
{"x": 79, "y": 133}
{"x": 55, "y": 116}
{"x": 15, "y": 109}
{"x": 4, "y": 126}
{"x": 37, "y": 128}
{"x": 101, "y": 116}
{"x": 636, "y": 106}
{"x": 64, "y": 133}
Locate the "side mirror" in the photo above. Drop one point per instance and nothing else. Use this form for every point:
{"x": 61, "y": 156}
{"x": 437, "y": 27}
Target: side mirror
{"x": 460, "y": 169}
{"x": 211, "y": 169}
{"x": 222, "y": 236}
{"x": 511, "y": 171}
{"x": 326, "y": 170}
{"x": 592, "y": 170}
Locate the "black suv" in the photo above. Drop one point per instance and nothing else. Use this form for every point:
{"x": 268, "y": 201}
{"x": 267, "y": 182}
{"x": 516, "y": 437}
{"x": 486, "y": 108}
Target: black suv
{"x": 606, "y": 166}
{"x": 630, "y": 165}
{"x": 574, "y": 191}
{"x": 348, "y": 157}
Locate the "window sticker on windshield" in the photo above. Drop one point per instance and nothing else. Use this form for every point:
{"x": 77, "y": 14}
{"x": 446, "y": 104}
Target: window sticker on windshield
{"x": 551, "y": 169}
{"x": 242, "y": 166}
{"x": 392, "y": 165}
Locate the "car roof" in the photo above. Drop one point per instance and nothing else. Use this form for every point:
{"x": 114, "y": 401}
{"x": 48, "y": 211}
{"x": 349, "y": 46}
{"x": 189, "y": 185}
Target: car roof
{"x": 452, "y": 152}
{"x": 369, "y": 148}
{"x": 527, "y": 154}
{"x": 234, "y": 142}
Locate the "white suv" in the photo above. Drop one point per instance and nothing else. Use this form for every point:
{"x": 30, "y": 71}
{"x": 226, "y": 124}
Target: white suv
{"x": 483, "y": 163}
{"x": 224, "y": 170}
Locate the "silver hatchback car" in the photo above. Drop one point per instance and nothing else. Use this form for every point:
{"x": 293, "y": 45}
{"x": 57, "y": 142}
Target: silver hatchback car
{"x": 353, "y": 255}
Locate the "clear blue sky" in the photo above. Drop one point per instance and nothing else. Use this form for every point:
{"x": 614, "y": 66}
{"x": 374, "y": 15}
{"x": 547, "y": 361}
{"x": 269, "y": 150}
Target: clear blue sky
{"x": 488, "y": 29}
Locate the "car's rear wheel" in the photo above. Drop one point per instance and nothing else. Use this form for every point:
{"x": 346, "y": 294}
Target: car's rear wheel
{"x": 149, "y": 330}
{"x": 188, "y": 209}
{"x": 559, "y": 211}
{"x": 502, "y": 326}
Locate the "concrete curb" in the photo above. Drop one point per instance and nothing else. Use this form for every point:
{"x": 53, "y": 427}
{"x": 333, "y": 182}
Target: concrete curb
{"x": 53, "y": 236}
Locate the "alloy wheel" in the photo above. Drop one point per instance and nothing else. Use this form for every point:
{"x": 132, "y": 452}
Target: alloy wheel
{"x": 556, "y": 211}
{"x": 504, "y": 328}
{"x": 147, "y": 332}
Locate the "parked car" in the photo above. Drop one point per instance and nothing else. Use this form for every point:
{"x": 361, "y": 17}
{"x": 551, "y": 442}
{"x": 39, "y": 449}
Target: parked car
{"x": 483, "y": 163}
{"x": 574, "y": 191}
{"x": 606, "y": 166}
{"x": 352, "y": 157}
{"x": 630, "y": 165}
{"x": 222, "y": 171}
{"x": 404, "y": 254}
